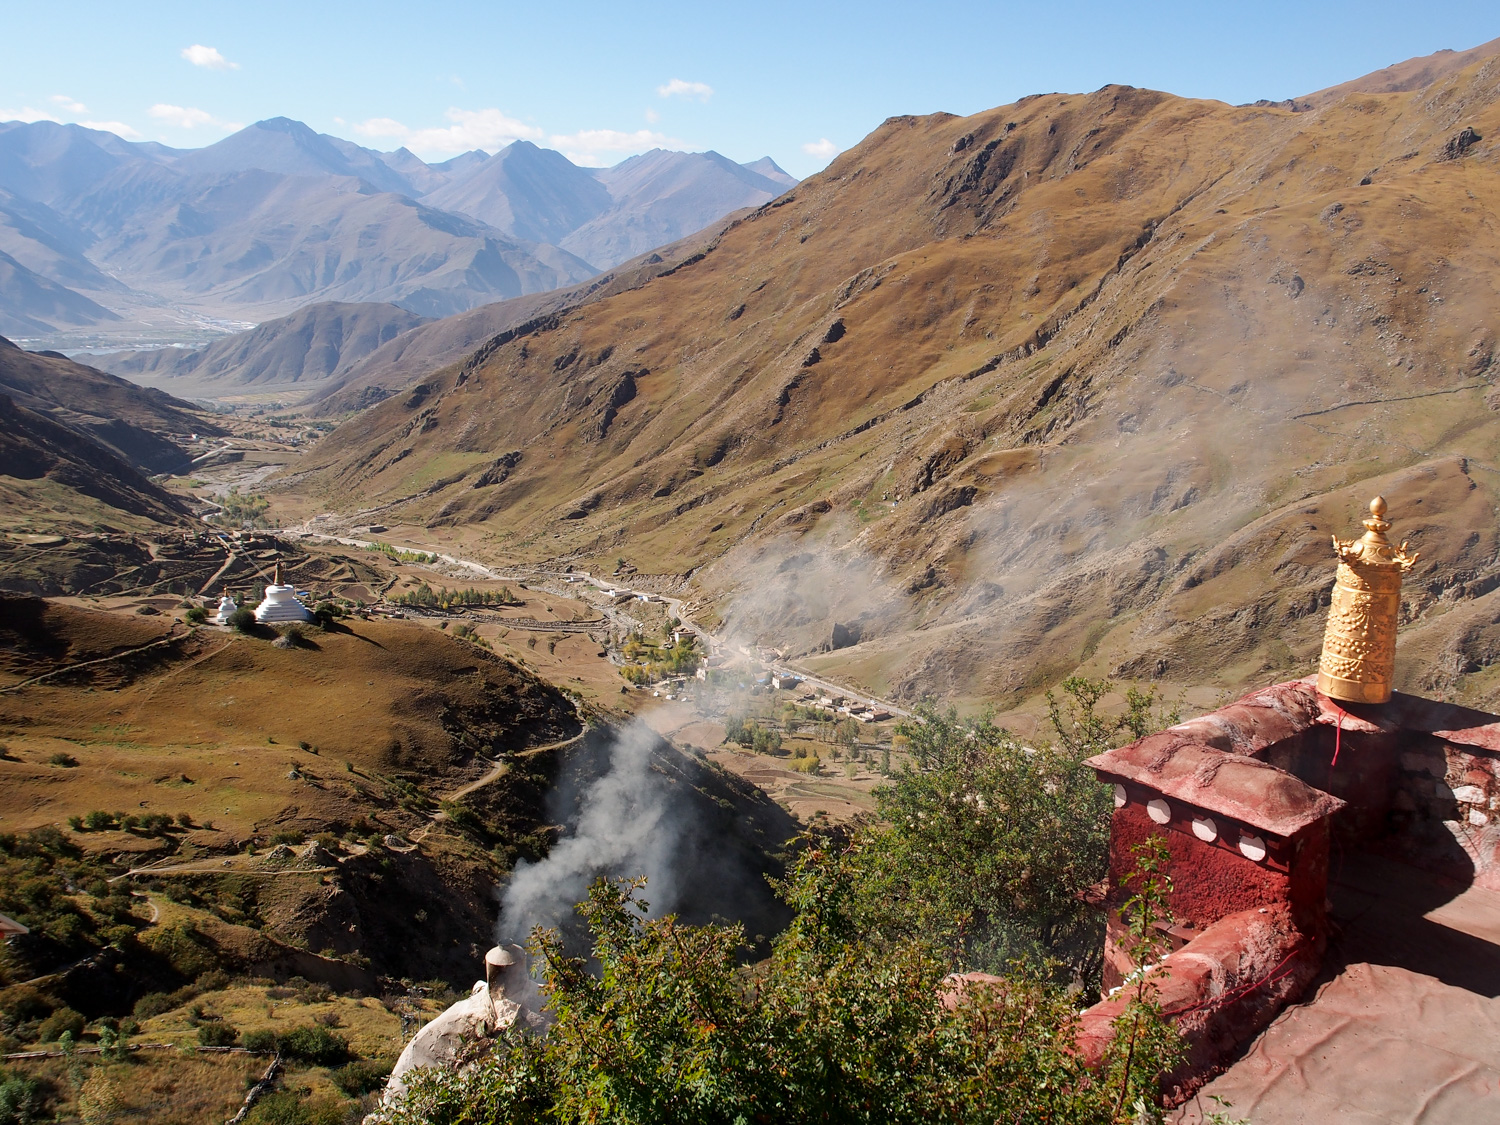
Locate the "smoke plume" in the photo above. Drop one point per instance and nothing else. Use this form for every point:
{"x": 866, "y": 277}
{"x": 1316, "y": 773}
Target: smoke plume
{"x": 624, "y": 826}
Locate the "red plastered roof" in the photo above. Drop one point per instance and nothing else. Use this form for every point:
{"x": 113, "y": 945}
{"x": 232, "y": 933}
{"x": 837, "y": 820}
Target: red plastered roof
{"x": 1243, "y": 789}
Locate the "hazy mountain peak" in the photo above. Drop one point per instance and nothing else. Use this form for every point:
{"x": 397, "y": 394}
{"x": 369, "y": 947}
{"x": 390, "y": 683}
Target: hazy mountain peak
{"x": 291, "y": 148}
{"x": 772, "y": 171}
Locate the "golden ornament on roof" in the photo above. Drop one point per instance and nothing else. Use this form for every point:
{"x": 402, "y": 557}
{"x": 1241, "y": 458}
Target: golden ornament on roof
{"x": 1358, "y": 663}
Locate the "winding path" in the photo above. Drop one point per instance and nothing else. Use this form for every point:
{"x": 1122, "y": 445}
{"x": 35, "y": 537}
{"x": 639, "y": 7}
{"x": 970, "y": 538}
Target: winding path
{"x": 676, "y": 605}
{"x": 500, "y": 769}
{"x": 171, "y": 638}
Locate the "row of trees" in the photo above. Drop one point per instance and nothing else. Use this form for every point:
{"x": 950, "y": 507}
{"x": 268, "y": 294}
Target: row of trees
{"x": 977, "y": 861}
{"x": 398, "y": 554}
{"x": 152, "y": 824}
{"x": 443, "y": 598}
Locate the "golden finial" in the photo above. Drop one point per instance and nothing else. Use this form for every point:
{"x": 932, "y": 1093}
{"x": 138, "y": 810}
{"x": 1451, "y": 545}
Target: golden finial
{"x": 1358, "y": 663}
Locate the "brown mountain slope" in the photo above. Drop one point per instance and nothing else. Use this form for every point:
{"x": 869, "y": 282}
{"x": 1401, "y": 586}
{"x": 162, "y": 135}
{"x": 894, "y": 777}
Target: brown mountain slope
{"x": 1413, "y": 74}
{"x": 1082, "y": 382}
{"x": 53, "y": 476}
{"x": 313, "y": 344}
{"x": 141, "y": 425}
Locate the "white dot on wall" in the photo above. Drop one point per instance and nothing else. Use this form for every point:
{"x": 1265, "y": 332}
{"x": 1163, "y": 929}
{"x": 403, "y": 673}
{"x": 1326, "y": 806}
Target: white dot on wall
{"x": 1120, "y": 798}
{"x": 1252, "y": 847}
{"x": 1159, "y": 811}
{"x": 1205, "y": 829}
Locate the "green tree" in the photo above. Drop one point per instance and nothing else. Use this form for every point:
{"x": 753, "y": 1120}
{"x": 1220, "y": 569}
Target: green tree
{"x": 23, "y": 1099}
{"x": 1140, "y": 1029}
{"x": 986, "y": 849}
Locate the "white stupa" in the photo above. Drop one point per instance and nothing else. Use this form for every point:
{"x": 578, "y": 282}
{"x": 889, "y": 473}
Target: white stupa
{"x": 280, "y": 603}
{"x": 226, "y": 607}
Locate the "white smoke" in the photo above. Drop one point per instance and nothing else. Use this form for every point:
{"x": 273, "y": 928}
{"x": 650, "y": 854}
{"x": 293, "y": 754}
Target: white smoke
{"x": 625, "y": 827}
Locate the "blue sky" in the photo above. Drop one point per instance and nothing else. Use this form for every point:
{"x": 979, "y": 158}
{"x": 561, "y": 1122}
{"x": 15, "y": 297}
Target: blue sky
{"x": 599, "y": 81}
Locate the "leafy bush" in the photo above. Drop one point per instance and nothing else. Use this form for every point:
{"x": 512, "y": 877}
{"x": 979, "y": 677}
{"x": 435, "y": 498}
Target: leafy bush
{"x": 294, "y": 634}
{"x": 197, "y": 615}
{"x": 280, "y": 1108}
{"x": 262, "y": 1039}
{"x": 24, "y": 1002}
{"x": 60, "y": 1021}
{"x": 241, "y": 620}
{"x": 765, "y": 740}
{"x": 98, "y": 1099}
{"x": 975, "y": 862}
{"x": 734, "y": 729}
{"x": 247, "y": 510}
{"x": 465, "y": 819}
{"x": 361, "y": 1076}
{"x": 218, "y": 1033}
{"x": 314, "y": 1045}
{"x": 152, "y": 1004}
{"x": 67, "y": 761}
{"x": 326, "y": 613}
{"x": 23, "y": 1100}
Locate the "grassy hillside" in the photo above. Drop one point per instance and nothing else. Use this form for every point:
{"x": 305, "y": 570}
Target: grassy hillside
{"x": 409, "y": 770}
{"x": 1081, "y": 382}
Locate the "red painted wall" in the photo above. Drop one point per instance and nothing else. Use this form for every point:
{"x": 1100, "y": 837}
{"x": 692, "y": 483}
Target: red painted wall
{"x": 1208, "y": 882}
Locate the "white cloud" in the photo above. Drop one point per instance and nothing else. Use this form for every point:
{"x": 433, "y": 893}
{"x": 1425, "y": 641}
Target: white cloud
{"x": 118, "y": 128}
{"x": 208, "y": 57}
{"x": 652, "y": 117}
{"x": 27, "y": 114}
{"x": 381, "y": 127}
{"x": 71, "y": 108}
{"x": 593, "y": 147}
{"x": 678, "y": 88}
{"x": 186, "y": 117}
{"x": 824, "y": 148}
{"x": 488, "y": 129}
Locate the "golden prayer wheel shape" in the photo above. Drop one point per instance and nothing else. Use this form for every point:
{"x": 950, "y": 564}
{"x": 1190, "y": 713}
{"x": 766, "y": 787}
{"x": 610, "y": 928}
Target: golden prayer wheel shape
{"x": 1359, "y": 646}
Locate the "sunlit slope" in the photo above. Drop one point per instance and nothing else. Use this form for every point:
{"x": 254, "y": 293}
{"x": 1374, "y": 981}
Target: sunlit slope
{"x": 1124, "y": 360}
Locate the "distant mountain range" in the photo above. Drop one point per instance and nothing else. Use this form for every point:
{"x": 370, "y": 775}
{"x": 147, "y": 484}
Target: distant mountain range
{"x": 338, "y": 356}
{"x": 106, "y": 239}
